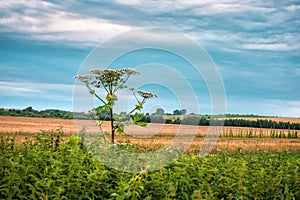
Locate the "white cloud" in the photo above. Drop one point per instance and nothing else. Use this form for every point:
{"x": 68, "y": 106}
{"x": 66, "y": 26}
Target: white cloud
{"x": 283, "y": 108}
{"x": 230, "y": 40}
{"x": 30, "y": 4}
{"x": 268, "y": 47}
{"x": 37, "y": 90}
{"x": 221, "y": 8}
{"x": 219, "y": 36}
{"x": 47, "y": 21}
{"x": 203, "y": 7}
{"x": 293, "y": 7}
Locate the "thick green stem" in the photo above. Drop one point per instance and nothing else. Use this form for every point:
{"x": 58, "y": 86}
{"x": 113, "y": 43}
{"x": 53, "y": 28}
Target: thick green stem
{"x": 112, "y": 126}
{"x": 112, "y": 113}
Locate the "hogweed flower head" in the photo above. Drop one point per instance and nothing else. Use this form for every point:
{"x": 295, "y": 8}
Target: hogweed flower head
{"x": 130, "y": 71}
{"x": 107, "y": 72}
{"x": 111, "y": 77}
{"x": 84, "y": 78}
{"x": 146, "y": 95}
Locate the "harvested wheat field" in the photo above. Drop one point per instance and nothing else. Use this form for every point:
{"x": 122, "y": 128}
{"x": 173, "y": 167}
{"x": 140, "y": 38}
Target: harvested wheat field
{"x": 242, "y": 145}
{"x": 10, "y": 124}
{"x": 154, "y": 135}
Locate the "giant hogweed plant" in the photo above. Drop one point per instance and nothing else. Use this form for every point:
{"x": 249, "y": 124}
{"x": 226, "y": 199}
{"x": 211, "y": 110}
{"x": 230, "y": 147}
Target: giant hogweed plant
{"x": 110, "y": 81}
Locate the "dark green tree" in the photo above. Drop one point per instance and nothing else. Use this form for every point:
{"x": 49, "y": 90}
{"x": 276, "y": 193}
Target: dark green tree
{"x": 176, "y": 112}
{"x": 183, "y": 111}
{"x": 159, "y": 111}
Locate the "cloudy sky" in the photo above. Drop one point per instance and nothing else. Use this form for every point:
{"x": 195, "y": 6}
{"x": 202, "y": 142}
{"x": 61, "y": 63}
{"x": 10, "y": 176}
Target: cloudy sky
{"x": 255, "y": 45}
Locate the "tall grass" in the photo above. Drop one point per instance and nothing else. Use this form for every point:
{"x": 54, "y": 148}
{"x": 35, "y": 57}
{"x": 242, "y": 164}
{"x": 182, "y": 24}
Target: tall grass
{"x": 52, "y": 168}
{"x": 261, "y": 133}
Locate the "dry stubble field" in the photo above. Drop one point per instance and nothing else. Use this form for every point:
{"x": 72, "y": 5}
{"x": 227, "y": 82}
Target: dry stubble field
{"x": 155, "y": 135}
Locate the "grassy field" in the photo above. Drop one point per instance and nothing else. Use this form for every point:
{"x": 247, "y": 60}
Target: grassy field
{"x": 47, "y": 159}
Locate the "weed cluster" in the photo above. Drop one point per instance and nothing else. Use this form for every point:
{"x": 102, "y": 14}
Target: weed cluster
{"x": 51, "y": 168}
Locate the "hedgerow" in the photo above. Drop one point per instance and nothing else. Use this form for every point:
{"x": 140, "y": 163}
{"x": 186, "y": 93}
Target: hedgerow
{"x": 51, "y": 168}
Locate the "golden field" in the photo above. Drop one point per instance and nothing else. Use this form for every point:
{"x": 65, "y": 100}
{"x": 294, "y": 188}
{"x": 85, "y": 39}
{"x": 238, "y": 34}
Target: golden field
{"x": 154, "y": 135}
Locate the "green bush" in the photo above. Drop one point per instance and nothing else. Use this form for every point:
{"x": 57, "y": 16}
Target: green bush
{"x": 51, "y": 168}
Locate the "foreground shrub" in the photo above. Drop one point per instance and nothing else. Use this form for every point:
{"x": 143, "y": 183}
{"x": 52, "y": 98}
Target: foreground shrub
{"x": 50, "y": 168}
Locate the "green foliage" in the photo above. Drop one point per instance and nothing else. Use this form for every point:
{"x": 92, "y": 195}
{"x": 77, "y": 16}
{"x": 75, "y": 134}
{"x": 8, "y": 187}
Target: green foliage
{"x": 191, "y": 120}
{"x": 159, "y": 111}
{"x": 30, "y": 112}
{"x": 261, "y": 123}
{"x": 176, "y": 112}
{"x": 157, "y": 119}
{"x": 183, "y": 111}
{"x": 52, "y": 168}
{"x": 138, "y": 119}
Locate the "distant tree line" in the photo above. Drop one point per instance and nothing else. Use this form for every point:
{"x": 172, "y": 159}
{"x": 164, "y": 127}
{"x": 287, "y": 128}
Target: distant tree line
{"x": 179, "y": 117}
{"x": 30, "y": 112}
{"x": 262, "y": 123}
{"x": 53, "y": 113}
{"x": 229, "y": 120}
{"x": 205, "y": 121}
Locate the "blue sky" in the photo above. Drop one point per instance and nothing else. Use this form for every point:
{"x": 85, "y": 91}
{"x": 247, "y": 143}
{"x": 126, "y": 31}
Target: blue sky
{"x": 254, "y": 44}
